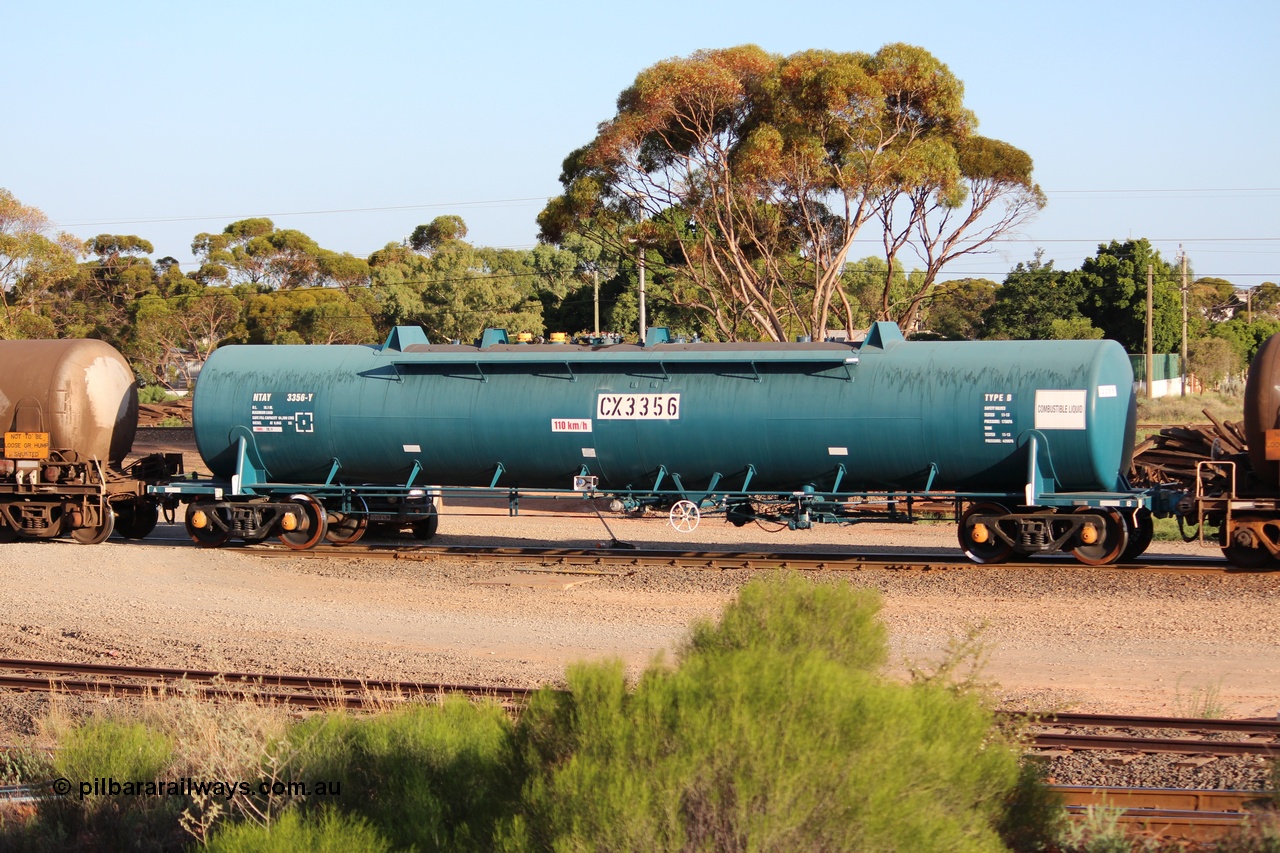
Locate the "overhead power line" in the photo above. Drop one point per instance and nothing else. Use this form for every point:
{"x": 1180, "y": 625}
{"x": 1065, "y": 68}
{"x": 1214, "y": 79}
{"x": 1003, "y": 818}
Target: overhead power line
{"x": 543, "y": 199}
{"x": 1183, "y": 190}
{"x": 238, "y": 216}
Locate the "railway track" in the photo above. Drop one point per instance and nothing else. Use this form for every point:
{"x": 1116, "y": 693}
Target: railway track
{"x": 329, "y": 692}
{"x": 295, "y": 690}
{"x": 1176, "y": 735}
{"x": 626, "y": 558}
{"x": 1171, "y": 814}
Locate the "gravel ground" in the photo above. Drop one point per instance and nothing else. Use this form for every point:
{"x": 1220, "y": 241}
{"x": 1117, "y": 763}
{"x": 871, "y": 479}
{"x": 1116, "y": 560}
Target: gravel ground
{"x": 1079, "y": 639}
{"x": 1125, "y": 770}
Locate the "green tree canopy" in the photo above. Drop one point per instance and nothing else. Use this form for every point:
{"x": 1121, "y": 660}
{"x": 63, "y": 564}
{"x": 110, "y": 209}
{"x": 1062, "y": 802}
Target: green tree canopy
{"x": 254, "y": 251}
{"x": 1245, "y": 338}
{"x": 108, "y": 285}
{"x": 1115, "y": 295}
{"x": 1213, "y": 299}
{"x": 1264, "y": 299}
{"x": 441, "y": 230}
{"x": 754, "y": 173}
{"x": 1212, "y": 358}
{"x": 457, "y": 289}
{"x": 955, "y": 309}
{"x": 35, "y": 262}
{"x": 303, "y": 316}
{"x": 1031, "y": 297}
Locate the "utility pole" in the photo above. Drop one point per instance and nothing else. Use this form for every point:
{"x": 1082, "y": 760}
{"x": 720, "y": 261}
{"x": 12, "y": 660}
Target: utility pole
{"x": 644, "y": 326}
{"x": 1248, "y": 299}
{"x": 595, "y": 286}
{"x": 639, "y": 241}
{"x": 1150, "y": 342}
{"x": 1184, "y": 320}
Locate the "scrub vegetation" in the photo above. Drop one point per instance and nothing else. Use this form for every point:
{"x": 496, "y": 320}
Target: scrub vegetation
{"x": 1177, "y": 409}
{"x": 773, "y": 729}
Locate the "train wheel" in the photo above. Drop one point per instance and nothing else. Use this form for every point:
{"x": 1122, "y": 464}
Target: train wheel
{"x": 7, "y": 534}
{"x": 684, "y": 516}
{"x": 98, "y": 534}
{"x": 136, "y": 519}
{"x": 349, "y": 527}
{"x": 208, "y": 527}
{"x": 1141, "y": 530}
{"x": 311, "y": 527}
{"x": 1247, "y": 556}
{"x": 1108, "y": 544}
{"x": 425, "y": 528}
{"x": 978, "y": 539}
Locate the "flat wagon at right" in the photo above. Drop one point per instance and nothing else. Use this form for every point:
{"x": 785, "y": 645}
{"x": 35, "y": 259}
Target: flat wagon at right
{"x": 1235, "y": 502}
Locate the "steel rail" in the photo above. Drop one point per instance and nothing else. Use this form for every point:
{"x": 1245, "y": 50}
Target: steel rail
{"x": 71, "y": 676}
{"x": 1125, "y": 742}
{"x": 1119, "y": 743}
{"x": 1120, "y": 721}
{"x": 209, "y": 684}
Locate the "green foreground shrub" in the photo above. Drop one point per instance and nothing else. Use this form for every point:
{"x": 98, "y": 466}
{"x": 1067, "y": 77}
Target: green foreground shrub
{"x": 115, "y": 749}
{"x": 774, "y": 733}
{"x": 109, "y": 754}
{"x": 326, "y": 831}
{"x": 431, "y": 777}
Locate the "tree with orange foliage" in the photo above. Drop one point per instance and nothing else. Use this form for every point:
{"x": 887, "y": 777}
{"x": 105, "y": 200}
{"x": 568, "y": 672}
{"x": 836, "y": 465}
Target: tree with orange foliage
{"x": 752, "y": 174}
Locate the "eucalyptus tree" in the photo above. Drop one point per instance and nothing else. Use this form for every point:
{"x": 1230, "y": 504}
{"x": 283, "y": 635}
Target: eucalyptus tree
{"x": 173, "y": 332}
{"x": 960, "y": 199}
{"x": 955, "y": 309}
{"x": 34, "y": 261}
{"x": 254, "y": 251}
{"x": 454, "y": 289}
{"x": 117, "y": 274}
{"x": 753, "y": 174}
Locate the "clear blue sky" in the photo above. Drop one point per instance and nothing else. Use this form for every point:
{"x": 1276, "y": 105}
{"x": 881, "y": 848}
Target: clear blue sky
{"x": 356, "y": 122}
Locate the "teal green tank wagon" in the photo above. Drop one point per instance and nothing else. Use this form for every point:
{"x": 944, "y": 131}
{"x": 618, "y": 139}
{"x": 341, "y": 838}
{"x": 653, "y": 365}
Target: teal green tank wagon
{"x": 1030, "y": 439}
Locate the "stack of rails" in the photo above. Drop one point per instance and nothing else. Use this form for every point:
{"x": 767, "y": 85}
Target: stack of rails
{"x": 154, "y": 414}
{"x": 1171, "y": 454}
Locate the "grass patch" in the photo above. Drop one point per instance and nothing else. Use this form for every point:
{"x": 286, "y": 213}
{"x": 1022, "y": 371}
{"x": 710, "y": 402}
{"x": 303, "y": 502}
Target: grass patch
{"x": 165, "y": 739}
{"x": 21, "y": 765}
{"x": 1203, "y": 702}
{"x": 1189, "y": 410}
{"x": 1166, "y": 530}
{"x": 1098, "y": 831}
{"x": 155, "y": 394}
